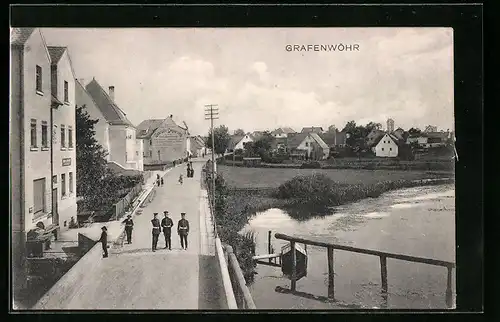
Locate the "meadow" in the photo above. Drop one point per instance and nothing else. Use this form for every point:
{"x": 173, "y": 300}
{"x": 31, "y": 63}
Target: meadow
{"x": 262, "y": 178}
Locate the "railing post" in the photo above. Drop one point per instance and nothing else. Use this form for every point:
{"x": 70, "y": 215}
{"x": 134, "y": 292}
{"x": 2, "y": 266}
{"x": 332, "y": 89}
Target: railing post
{"x": 383, "y": 275}
{"x": 294, "y": 266}
{"x": 331, "y": 274}
{"x": 269, "y": 245}
{"x": 449, "y": 295}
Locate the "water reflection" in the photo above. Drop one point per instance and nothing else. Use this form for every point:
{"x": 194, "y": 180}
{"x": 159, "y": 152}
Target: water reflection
{"x": 417, "y": 221}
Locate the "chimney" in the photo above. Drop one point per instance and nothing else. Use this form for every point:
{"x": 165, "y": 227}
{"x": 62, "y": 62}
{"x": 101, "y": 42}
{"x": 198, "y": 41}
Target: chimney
{"x": 112, "y": 93}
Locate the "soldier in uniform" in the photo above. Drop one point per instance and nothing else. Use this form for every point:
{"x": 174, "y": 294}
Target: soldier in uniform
{"x": 166, "y": 224}
{"x": 183, "y": 230}
{"x": 129, "y": 225}
{"x": 156, "y": 230}
{"x": 104, "y": 241}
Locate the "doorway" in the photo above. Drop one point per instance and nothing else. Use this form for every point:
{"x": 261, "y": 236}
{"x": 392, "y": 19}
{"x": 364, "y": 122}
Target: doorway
{"x": 55, "y": 211}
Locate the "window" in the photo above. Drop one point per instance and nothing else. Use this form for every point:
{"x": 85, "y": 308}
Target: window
{"x": 45, "y": 139}
{"x": 150, "y": 153}
{"x": 39, "y": 197}
{"x": 71, "y": 182}
{"x": 63, "y": 136}
{"x": 390, "y": 149}
{"x": 66, "y": 100}
{"x": 33, "y": 133}
{"x": 63, "y": 185}
{"x": 150, "y": 142}
{"x": 382, "y": 149}
{"x": 70, "y": 137}
{"x": 307, "y": 143}
{"x": 126, "y": 156}
{"x": 137, "y": 153}
{"x": 39, "y": 79}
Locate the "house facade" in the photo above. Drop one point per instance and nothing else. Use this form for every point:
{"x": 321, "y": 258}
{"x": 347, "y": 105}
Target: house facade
{"x": 386, "y": 147}
{"x": 64, "y": 137}
{"x": 101, "y": 128}
{"x": 307, "y": 146}
{"x": 125, "y": 150}
{"x": 164, "y": 141}
{"x": 430, "y": 139}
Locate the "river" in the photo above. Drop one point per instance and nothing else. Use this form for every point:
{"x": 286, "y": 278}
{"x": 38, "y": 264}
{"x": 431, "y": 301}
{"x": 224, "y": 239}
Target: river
{"x": 416, "y": 221}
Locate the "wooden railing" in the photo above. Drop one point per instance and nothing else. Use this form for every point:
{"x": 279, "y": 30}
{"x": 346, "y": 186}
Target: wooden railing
{"x": 383, "y": 264}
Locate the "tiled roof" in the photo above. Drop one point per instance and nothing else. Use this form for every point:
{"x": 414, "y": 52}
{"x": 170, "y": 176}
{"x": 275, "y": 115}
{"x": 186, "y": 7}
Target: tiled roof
{"x": 318, "y": 140}
{"x": 328, "y": 138}
{"x": 315, "y": 129}
{"x": 147, "y": 127}
{"x": 56, "y": 53}
{"x": 233, "y": 141}
{"x": 19, "y": 36}
{"x": 288, "y": 130}
{"x": 294, "y": 141}
{"x": 112, "y": 113}
{"x": 393, "y": 137}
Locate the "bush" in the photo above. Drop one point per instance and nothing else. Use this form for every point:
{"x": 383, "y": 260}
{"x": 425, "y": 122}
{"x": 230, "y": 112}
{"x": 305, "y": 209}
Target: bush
{"x": 311, "y": 165}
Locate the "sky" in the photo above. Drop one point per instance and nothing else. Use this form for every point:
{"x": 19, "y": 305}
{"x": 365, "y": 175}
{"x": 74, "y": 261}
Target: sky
{"x": 401, "y": 73}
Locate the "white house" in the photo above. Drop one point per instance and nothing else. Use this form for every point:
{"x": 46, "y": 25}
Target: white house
{"x": 387, "y": 146}
{"x": 125, "y": 151}
{"x": 237, "y": 142}
{"x": 64, "y": 137}
{"x": 315, "y": 147}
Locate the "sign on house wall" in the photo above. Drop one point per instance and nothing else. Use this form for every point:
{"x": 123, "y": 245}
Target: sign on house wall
{"x": 168, "y": 139}
{"x": 66, "y": 162}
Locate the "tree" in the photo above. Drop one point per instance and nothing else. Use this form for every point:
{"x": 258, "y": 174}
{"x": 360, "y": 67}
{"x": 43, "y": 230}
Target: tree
{"x": 221, "y": 139}
{"x": 91, "y": 166}
{"x": 239, "y": 132}
{"x": 372, "y": 126}
{"x": 414, "y": 131}
{"x": 349, "y": 127}
{"x": 260, "y": 147}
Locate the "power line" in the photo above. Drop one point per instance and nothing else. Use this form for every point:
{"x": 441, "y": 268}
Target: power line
{"x": 212, "y": 113}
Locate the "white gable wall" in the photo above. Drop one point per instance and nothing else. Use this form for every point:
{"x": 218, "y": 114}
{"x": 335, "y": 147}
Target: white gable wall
{"x": 386, "y": 147}
{"x": 245, "y": 139}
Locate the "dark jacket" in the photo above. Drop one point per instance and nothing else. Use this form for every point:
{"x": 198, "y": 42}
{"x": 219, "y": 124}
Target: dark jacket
{"x": 183, "y": 226}
{"x": 156, "y": 226}
{"x": 104, "y": 238}
{"x": 129, "y": 223}
{"x": 167, "y": 224}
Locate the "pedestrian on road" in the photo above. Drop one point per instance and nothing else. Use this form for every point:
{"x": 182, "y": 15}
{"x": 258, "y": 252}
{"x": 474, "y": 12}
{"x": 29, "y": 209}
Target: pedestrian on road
{"x": 104, "y": 241}
{"x": 158, "y": 182}
{"x": 167, "y": 224}
{"x": 161, "y": 181}
{"x": 156, "y": 230}
{"x": 180, "y": 179}
{"x": 183, "y": 230}
{"x": 129, "y": 225}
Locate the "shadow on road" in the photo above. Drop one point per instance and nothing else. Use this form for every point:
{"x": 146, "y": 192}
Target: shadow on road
{"x": 210, "y": 296}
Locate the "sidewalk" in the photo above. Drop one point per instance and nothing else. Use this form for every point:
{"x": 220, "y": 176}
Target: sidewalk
{"x": 134, "y": 277}
{"x": 115, "y": 227}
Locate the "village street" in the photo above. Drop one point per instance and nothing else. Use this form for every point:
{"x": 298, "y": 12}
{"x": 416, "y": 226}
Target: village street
{"x": 134, "y": 277}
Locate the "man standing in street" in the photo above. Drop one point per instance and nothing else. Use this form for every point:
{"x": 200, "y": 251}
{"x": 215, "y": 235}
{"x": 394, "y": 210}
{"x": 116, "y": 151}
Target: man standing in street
{"x": 129, "y": 225}
{"x": 104, "y": 241}
{"x": 156, "y": 230}
{"x": 166, "y": 224}
{"x": 183, "y": 230}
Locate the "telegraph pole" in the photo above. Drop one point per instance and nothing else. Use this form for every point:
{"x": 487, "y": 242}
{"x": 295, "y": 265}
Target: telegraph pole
{"x": 212, "y": 113}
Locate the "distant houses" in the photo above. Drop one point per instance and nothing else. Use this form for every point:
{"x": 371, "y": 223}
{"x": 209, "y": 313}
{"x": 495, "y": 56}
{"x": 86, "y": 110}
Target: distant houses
{"x": 386, "y": 146}
{"x": 282, "y": 132}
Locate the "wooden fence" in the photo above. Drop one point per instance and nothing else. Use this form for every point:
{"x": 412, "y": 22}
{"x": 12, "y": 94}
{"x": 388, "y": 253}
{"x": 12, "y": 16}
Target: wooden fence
{"x": 121, "y": 206}
{"x": 242, "y": 294}
{"x": 383, "y": 264}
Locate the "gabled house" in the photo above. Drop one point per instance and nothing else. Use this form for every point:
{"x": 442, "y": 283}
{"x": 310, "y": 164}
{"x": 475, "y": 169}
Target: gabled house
{"x": 399, "y": 133}
{"x": 164, "y": 141}
{"x": 125, "y": 151}
{"x": 197, "y": 146}
{"x": 386, "y": 146}
{"x": 282, "y": 132}
{"x": 237, "y": 142}
{"x": 63, "y": 81}
{"x": 101, "y": 128}
{"x": 308, "y": 146}
{"x": 312, "y": 129}
{"x": 30, "y": 136}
